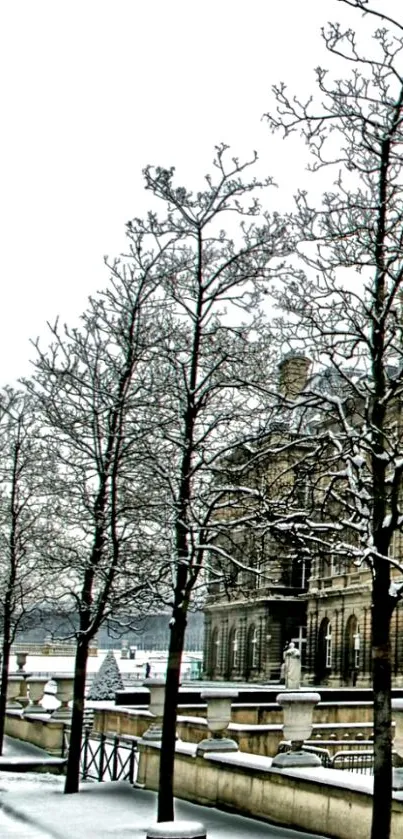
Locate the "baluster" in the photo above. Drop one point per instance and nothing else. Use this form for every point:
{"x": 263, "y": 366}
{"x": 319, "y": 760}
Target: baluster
{"x": 132, "y": 762}
{"x": 101, "y": 757}
{"x": 85, "y": 752}
{"x": 115, "y": 758}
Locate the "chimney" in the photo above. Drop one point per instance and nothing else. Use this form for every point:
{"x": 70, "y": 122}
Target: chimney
{"x": 294, "y": 369}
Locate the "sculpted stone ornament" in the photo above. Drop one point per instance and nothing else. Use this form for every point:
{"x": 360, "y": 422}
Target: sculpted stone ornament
{"x": 292, "y": 667}
{"x": 298, "y": 711}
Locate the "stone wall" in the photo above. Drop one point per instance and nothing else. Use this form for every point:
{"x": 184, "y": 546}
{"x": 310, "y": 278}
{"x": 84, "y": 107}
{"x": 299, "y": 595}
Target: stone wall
{"x": 37, "y": 729}
{"x": 325, "y": 801}
{"x": 257, "y": 739}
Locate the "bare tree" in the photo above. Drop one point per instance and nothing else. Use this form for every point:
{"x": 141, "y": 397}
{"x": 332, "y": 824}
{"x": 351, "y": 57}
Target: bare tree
{"x": 210, "y": 381}
{"x": 25, "y": 500}
{"x": 346, "y": 314}
{"x": 89, "y": 383}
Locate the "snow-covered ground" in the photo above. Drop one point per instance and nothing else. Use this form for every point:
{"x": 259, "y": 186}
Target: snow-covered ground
{"x": 33, "y": 806}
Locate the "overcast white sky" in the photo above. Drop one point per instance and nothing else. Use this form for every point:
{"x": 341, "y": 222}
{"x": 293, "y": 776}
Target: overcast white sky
{"x": 92, "y": 91}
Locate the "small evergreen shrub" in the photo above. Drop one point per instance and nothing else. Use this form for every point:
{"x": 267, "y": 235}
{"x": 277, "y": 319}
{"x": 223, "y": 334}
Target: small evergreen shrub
{"x": 107, "y": 681}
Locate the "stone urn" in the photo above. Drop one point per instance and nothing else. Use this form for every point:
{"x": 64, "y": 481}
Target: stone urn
{"x": 64, "y": 693}
{"x": 219, "y": 703}
{"x": 13, "y": 692}
{"x": 36, "y": 686}
{"x": 21, "y": 659}
{"x": 298, "y": 713}
{"x": 156, "y": 707}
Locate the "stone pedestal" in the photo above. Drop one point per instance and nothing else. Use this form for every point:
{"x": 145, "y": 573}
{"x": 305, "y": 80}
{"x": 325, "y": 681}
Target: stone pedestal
{"x": 156, "y": 708}
{"x": 23, "y": 698}
{"x": 13, "y": 691}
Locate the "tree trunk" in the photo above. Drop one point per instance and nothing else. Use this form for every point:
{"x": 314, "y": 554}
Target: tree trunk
{"x": 73, "y": 762}
{"x": 167, "y": 764}
{"x": 4, "y": 681}
{"x": 382, "y": 691}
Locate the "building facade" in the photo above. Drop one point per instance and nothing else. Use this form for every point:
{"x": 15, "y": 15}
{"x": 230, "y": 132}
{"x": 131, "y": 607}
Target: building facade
{"x": 245, "y": 637}
{"x": 323, "y": 606}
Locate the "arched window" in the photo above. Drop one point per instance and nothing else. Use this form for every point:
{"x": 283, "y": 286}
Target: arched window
{"x": 352, "y": 649}
{"x": 324, "y": 651}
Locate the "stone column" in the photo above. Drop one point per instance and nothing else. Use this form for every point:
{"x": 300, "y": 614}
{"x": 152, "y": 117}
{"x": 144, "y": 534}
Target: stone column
{"x": 207, "y": 652}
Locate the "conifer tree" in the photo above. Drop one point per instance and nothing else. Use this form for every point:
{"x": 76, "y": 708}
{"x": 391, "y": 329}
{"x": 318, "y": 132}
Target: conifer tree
{"x": 107, "y": 680}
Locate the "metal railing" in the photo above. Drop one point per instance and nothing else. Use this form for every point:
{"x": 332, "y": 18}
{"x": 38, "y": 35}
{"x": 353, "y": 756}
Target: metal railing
{"x": 108, "y": 758}
{"x": 361, "y": 761}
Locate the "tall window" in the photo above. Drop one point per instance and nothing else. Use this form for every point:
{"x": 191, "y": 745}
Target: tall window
{"x": 357, "y": 646}
{"x": 328, "y": 647}
{"x": 235, "y": 649}
{"x": 300, "y": 642}
{"x": 215, "y": 648}
{"x": 255, "y": 649}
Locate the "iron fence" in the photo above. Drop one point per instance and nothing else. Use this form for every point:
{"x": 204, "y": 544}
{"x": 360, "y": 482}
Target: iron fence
{"x": 361, "y": 761}
{"x": 104, "y": 757}
{"x": 108, "y": 758}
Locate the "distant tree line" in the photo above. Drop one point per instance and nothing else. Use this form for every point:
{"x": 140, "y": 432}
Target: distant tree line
{"x": 151, "y": 632}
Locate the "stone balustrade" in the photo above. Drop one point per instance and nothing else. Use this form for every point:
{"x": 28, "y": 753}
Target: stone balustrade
{"x": 32, "y": 722}
{"x": 39, "y": 729}
{"x": 50, "y": 647}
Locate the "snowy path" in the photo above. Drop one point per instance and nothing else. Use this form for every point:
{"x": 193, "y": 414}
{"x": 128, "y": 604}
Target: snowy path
{"x": 111, "y": 811}
{"x": 33, "y": 806}
{"x": 12, "y": 828}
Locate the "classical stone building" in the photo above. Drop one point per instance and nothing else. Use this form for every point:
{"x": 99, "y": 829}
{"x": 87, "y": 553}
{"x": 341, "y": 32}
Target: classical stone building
{"x": 249, "y": 622}
{"x": 339, "y": 629}
{"x": 323, "y": 606}
{"x": 245, "y": 638}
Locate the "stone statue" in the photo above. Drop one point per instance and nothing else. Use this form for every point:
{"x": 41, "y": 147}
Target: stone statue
{"x": 292, "y": 667}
